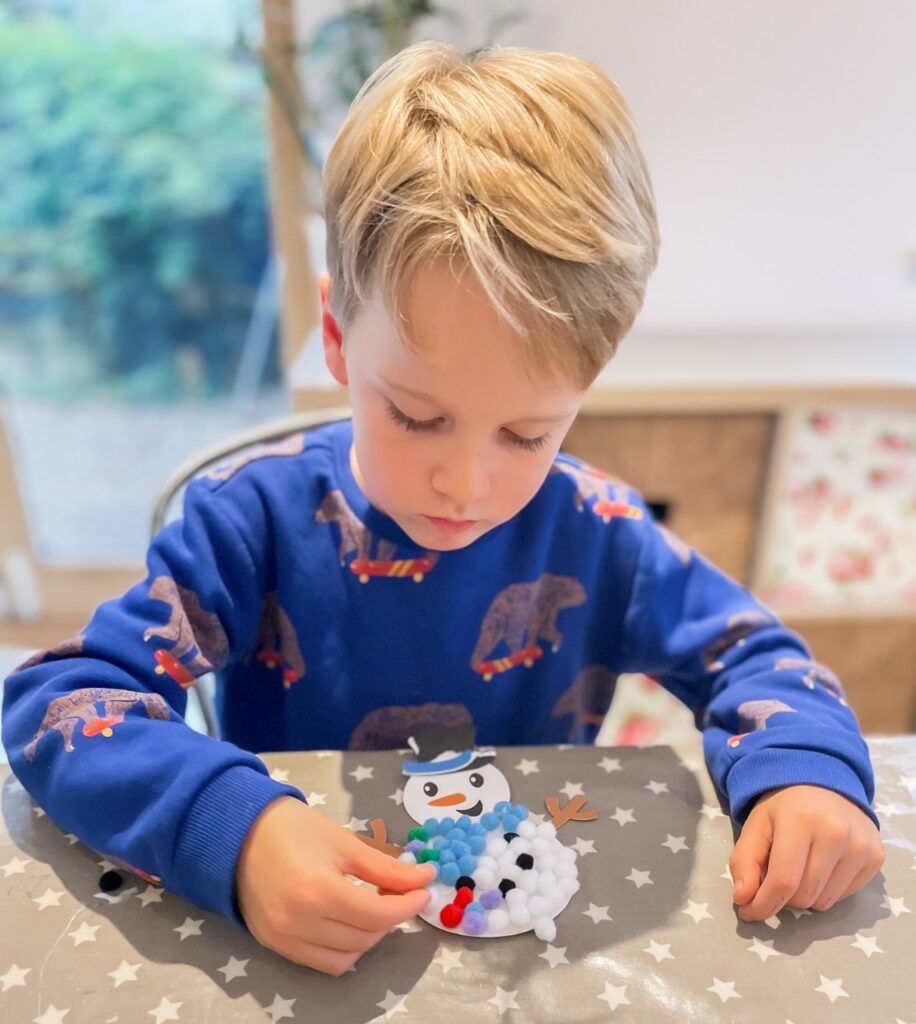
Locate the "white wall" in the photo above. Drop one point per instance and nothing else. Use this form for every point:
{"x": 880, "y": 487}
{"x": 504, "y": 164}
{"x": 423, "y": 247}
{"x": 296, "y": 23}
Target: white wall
{"x": 781, "y": 137}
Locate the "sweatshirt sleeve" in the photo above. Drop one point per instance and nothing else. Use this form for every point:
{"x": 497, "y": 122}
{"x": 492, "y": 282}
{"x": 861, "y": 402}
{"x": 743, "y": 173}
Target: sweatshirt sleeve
{"x": 771, "y": 716}
{"x": 94, "y": 729}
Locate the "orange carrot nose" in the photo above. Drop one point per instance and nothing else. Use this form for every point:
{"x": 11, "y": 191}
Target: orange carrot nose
{"x": 448, "y": 801}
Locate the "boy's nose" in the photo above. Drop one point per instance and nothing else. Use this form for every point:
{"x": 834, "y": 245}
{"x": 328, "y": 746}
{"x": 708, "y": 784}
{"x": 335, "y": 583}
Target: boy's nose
{"x": 462, "y": 479}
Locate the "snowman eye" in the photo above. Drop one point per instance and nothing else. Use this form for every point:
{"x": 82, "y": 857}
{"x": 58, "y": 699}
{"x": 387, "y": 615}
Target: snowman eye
{"x": 430, "y": 789}
{"x": 476, "y": 780}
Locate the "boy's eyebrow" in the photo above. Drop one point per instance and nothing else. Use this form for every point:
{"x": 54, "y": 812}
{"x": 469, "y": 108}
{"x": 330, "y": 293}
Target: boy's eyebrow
{"x": 430, "y": 398}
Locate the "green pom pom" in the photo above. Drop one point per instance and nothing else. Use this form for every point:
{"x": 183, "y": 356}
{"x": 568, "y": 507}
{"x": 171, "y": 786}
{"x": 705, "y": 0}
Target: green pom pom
{"x": 424, "y": 855}
{"x": 418, "y": 833}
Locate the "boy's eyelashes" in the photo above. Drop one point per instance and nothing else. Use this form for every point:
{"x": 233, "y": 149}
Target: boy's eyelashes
{"x": 528, "y": 444}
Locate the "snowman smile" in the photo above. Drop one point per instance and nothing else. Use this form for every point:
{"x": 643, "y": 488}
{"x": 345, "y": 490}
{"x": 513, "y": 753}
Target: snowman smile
{"x": 471, "y": 812}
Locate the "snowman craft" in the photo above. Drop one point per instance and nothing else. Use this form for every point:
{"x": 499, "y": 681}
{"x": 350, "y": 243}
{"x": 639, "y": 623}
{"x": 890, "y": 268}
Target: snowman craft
{"x": 497, "y": 871}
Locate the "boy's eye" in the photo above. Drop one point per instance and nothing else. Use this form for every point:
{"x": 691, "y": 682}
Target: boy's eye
{"x": 529, "y": 444}
{"x": 409, "y": 424}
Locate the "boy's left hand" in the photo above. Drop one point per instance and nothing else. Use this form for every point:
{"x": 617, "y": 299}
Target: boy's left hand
{"x": 802, "y": 846}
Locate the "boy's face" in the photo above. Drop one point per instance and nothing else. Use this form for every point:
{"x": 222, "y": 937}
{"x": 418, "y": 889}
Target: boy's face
{"x": 456, "y": 439}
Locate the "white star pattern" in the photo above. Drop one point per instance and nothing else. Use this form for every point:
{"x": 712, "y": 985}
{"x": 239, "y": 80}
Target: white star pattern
{"x": 392, "y": 1004}
{"x": 152, "y": 894}
{"x": 583, "y": 846}
{"x": 614, "y": 995}
{"x": 895, "y": 905}
{"x": 397, "y": 796}
{"x": 526, "y": 767}
{"x": 867, "y": 943}
{"x": 597, "y": 913}
{"x": 280, "y": 1008}
{"x": 279, "y": 774}
{"x": 572, "y": 789}
{"x": 622, "y": 817}
{"x": 773, "y": 922}
{"x": 832, "y": 988}
{"x": 676, "y": 843}
{"x": 659, "y": 951}
{"x": 657, "y": 787}
{"x": 554, "y": 955}
{"x": 71, "y": 838}
{"x": 85, "y": 933}
{"x": 316, "y": 799}
{"x": 14, "y": 867}
{"x": 124, "y": 972}
{"x": 609, "y": 764}
{"x": 362, "y": 772}
{"x": 697, "y": 911}
{"x": 907, "y": 781}
{"x": 711, "y": 812}
{"x": 725, "y": 990}
{"x": 51, "y": 1016}
{"x": 234, "y": 969}
{"x": 763, "y": 949}
{"x": 357, "y": 824}
{"x": 40, "y": 813}
{"x": 504, "y": 1000}
{"x": 13, "y": 977}
{"x": 49, "y": 899}
{"x": 189, "y": 927}
{"x": 640, "y": 878}
{"x": 166, "y": 1010}
{"x": 448, "y": 959}
{"x": 887, "y": 810}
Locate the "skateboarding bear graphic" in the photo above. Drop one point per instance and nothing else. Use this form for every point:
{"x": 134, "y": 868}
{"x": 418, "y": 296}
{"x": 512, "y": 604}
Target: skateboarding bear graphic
{"x": 518, "y": 617}
{"x": 389, "y": 727}
{"x": 356, "y": 539}
{"x": 277, "y": 644}
{"x": 611, "y": 498}
{"x": 66, "y": 712}
{"x": 198, "y": 642}
{"x": 587, "y": 699}
{"x": 65, "y": 649}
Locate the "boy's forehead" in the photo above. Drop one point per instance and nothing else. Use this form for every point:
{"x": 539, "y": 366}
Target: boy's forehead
{"x": 450, "y": 343}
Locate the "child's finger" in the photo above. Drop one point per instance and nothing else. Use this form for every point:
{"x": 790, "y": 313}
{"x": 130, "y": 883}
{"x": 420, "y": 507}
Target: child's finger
{"x": 749, "y": 858}
{"x": 328, "y": 961}
{"x": 823, "y": 858}
{"x": 386, "y": 872}
{"x": 861, "y": 876}
{"x": 784, "y": 869}
{"x": 365, "y": 908}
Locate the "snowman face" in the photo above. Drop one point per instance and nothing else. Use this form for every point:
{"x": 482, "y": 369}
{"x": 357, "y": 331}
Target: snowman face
{"x": 450, "y": 794}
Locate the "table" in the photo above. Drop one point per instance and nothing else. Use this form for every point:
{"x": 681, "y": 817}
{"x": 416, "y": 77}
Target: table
{"x": 650, "y": 936}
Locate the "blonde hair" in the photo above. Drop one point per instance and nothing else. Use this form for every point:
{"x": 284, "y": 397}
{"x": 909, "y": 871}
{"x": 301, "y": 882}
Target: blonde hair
{"x": 523, "y": 165}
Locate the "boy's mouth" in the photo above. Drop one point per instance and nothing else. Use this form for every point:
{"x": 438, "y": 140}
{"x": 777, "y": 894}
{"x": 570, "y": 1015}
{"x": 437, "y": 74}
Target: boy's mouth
{"x": 451, "y": 525}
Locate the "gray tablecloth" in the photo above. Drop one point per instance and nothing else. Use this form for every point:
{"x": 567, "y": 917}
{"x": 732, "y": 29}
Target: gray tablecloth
{"x": 650, "y": 936}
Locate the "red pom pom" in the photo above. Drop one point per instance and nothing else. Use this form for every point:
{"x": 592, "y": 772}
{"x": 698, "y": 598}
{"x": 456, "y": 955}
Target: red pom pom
{"x": 464, "y": 896}
{"x": 451, "y": 915}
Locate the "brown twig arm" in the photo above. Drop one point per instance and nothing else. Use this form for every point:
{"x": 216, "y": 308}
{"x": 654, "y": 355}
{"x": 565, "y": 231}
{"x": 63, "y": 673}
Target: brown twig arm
{"x": 379, "y": 838}
{"x": 572, "y": 811}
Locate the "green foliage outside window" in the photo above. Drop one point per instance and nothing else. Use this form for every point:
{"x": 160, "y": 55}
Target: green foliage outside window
{"x": 133, "y": 213}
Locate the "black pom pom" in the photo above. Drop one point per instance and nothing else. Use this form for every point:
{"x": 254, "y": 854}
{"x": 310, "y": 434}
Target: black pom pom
{"x": 509, "y": 836}
{"x": 110, "y": 881}
{"x": 465, "y": 882}
{"x": 525, "y": 861}
{"x": 506, "y": 885}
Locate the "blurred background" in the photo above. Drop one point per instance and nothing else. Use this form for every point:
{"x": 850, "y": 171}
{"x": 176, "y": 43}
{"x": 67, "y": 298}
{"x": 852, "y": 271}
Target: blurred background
{"x": 161, "y": 234}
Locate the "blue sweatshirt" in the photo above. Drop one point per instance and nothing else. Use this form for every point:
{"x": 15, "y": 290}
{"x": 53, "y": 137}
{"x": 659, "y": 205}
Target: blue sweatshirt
{"x": 329, "y": 628}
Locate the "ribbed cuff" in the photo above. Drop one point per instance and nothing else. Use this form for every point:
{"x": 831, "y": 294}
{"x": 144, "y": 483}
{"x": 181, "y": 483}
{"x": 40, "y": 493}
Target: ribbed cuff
{"x": 773, "y": 767}
{"x": 212, "y": 835}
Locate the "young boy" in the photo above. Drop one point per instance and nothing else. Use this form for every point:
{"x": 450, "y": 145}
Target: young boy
{"x": 491, "y": 229}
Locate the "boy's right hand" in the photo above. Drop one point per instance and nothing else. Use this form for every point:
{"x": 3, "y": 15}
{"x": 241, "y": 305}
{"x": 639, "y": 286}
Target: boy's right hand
{"x": 295, "y": 896}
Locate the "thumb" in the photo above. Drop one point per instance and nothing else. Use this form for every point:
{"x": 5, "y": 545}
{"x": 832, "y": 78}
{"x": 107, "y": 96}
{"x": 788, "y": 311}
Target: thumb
{"x": 385, "y": 871}
{"x": 749, "y": 860}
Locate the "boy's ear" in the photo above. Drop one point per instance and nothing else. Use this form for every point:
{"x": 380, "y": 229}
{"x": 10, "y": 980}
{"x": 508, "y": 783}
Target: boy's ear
{"x": 331, "y": 337}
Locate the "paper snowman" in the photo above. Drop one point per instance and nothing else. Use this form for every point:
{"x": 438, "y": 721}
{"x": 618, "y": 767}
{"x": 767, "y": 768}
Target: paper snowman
{"x": 497, "y": 872}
